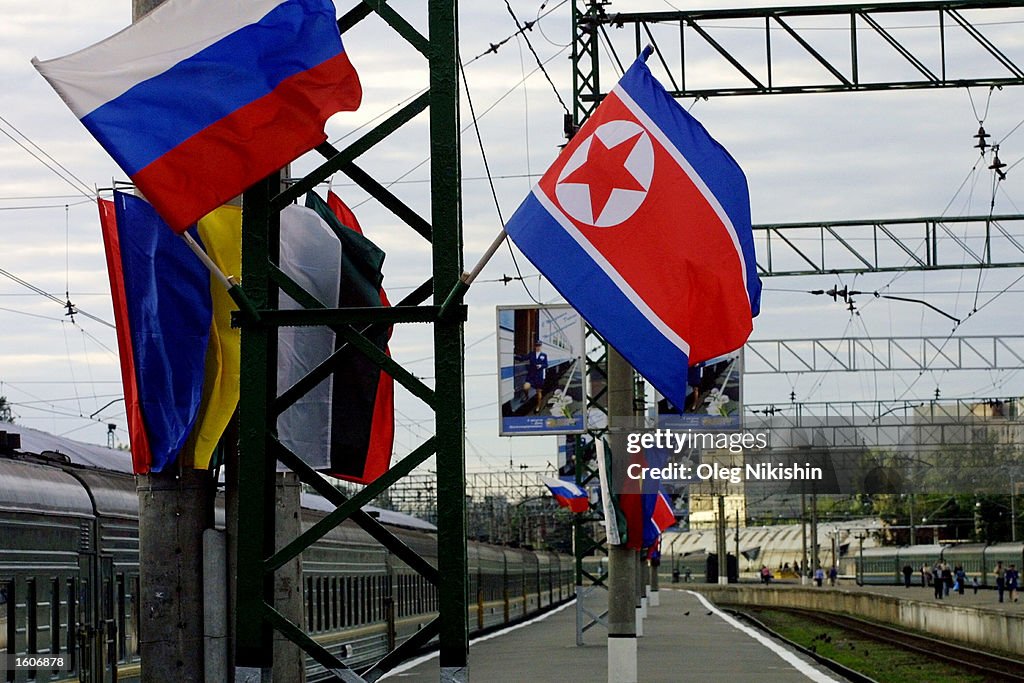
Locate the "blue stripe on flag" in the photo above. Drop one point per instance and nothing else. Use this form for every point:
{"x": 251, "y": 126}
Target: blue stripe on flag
{"x": 201, "y": 90}
{"x": 167, "y": 292}
{"x": 599, "y": 300}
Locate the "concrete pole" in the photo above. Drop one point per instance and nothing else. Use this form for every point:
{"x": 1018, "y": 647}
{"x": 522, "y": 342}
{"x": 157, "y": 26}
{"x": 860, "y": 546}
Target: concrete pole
{"x": 622, "y": 621}
{"x": 722, "y": 549}
{"x": 815, "y": 557}
{"x": 174, "y": 509}
{"x": 803, "y": 538}
{"x": 289, "y": 663}
{"x": 655, "y": 598}
{"x": 638, "y": 594}
{"x": 737, "y": 539}
{"x": 215, "y": 605}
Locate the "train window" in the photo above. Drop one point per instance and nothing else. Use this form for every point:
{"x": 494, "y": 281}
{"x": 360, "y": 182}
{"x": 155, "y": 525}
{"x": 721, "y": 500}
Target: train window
{"x": 319, "y": 603}
{"x": 7, "y": 603}
{"x": 122, "y": 630}
{"x": 31, "y": 621}
{"x": 334, "y": 602}
{"x": 362, "y": 599}
{"x": 376, "y": 598}
{"x": 72, "y": 611}
{"x": 309, "y": 604}
{"x": 54, "y": 616}
{"x": 322, "y": 613}
{"x": 346, "y": 606}
{"x": 135, "y": 615}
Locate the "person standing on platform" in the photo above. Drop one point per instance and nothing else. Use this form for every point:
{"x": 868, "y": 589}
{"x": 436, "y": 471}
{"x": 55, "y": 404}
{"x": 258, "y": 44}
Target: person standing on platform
{"x": 833, "y": 574}
{"x": 1000, "y": 579}
{"x": 937, "y": 581}
{"x": 947, "y": 579}
{"x": 535, "y": 371}
{"x": 908, "y": 571}
{"x": 960, "y": 579}
{"x": 819, "y": 576}
{"x": 1012, "y": 577}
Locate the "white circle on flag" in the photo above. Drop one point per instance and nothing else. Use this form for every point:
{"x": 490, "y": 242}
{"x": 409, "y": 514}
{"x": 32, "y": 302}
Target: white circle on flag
{"x": 576, "y": 198}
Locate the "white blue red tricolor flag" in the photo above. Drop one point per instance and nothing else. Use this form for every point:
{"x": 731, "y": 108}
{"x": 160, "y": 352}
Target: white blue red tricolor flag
{"x": 198, "y": 100}
{"x": 568, "y": 494}
{"x": 643, "y": 225}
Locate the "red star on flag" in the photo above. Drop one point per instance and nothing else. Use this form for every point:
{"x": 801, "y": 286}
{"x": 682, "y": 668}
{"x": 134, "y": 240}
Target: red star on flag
{"x": 605, "y": 171}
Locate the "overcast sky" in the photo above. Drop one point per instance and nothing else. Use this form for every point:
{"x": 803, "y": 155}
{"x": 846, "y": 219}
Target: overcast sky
{"x": 807, "y": 158}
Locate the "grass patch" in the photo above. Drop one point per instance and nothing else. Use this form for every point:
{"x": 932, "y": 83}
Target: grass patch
{"x": 882, "y": 662}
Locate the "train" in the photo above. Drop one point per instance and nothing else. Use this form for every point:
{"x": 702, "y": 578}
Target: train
{"x": 884, "y": 565}
{"x": 69, "y": 570}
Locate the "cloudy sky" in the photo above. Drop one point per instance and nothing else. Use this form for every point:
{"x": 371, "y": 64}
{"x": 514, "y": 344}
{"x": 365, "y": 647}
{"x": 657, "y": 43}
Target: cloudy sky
{"x": 807, "y": 158}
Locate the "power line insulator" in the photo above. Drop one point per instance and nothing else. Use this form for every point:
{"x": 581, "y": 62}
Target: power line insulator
{"x": 997, "y": 165}
{"x": 982, "y": 137}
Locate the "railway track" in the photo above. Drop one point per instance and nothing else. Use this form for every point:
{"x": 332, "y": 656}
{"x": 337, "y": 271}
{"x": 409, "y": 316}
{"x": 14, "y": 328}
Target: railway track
{"x": 995, "y": 667}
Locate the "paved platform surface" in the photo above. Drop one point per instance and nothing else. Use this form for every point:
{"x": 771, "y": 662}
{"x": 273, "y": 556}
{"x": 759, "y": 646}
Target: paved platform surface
{"x": 683, "y": 641}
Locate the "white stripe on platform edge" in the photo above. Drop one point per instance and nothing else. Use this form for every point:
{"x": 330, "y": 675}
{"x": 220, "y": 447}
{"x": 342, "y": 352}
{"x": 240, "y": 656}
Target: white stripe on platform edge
{"x": 412, "y": 663}
{"x": 787, "y": 655}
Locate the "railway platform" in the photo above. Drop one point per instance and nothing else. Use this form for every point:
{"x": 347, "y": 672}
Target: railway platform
{"x": 685, "y": 638}
{"x": 985, "y": 598}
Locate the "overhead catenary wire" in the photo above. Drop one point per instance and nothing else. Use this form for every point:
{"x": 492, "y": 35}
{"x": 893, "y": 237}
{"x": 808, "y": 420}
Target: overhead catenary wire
{"x": 522, "y": 30}
{"x": 494, "y": 194}
{"x": 51, "y": 297}
{"x": 46, "y": 160}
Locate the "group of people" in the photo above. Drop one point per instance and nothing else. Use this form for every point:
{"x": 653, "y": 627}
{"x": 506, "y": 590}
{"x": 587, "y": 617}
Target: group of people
{"x": 1007, "y": 580}
{"x": 819, "y": 576}
{"x": 945, "y": 579}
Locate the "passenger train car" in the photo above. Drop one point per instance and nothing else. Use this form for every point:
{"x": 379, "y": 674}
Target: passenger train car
{"x": 885, "y": 565}
{"x": 69, "y": 570}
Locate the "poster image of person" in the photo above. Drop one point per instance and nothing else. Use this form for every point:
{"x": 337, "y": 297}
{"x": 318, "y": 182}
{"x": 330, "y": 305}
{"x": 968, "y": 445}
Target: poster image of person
{"x": 540, "y": 369}
{"x": 536, "y": 368}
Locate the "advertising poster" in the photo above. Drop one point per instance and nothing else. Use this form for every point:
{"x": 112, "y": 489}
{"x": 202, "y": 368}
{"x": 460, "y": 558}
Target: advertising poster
{"x": 540, "y": 366}
{"x": 713, "y": 397}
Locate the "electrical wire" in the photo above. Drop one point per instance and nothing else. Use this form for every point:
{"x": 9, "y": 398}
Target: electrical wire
{"x": 63, "y": 173}
{"x": 51, "y": 297}
{"x": 522, "y": 31}
{"x": 487, "y": 170}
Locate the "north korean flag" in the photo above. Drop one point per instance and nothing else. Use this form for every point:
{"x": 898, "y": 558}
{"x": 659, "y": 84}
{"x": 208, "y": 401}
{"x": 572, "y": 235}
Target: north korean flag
{"x": 643, "y": 225}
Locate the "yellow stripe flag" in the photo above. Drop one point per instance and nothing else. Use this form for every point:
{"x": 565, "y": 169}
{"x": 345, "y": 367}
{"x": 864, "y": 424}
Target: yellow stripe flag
{"x": 221, "y": 235}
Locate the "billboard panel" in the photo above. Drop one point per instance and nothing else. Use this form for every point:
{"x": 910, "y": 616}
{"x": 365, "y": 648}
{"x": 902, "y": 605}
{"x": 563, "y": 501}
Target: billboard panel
{"x": 540, "y": 367}
{"x": 714, "y": 398}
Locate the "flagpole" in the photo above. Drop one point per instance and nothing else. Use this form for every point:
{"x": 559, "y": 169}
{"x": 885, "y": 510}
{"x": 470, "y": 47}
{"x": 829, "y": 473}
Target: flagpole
{"x": 468, "y": 277}
{"x": 229, "y": 281}
{"x": 225, "y": 280}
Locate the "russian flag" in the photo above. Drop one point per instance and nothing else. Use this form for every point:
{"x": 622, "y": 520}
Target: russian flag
{"x": 198, "y": 100}
{"x": 642, "y": 223}
{"x": 568, "y": 494}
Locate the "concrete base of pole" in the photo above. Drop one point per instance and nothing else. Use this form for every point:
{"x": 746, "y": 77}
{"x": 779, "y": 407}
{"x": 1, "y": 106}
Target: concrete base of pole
{"x": 639, "y": 624}
{"x": 622, "y": 660}
{"x": 643, "y": 607}
{"x": 655, "y": 599}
